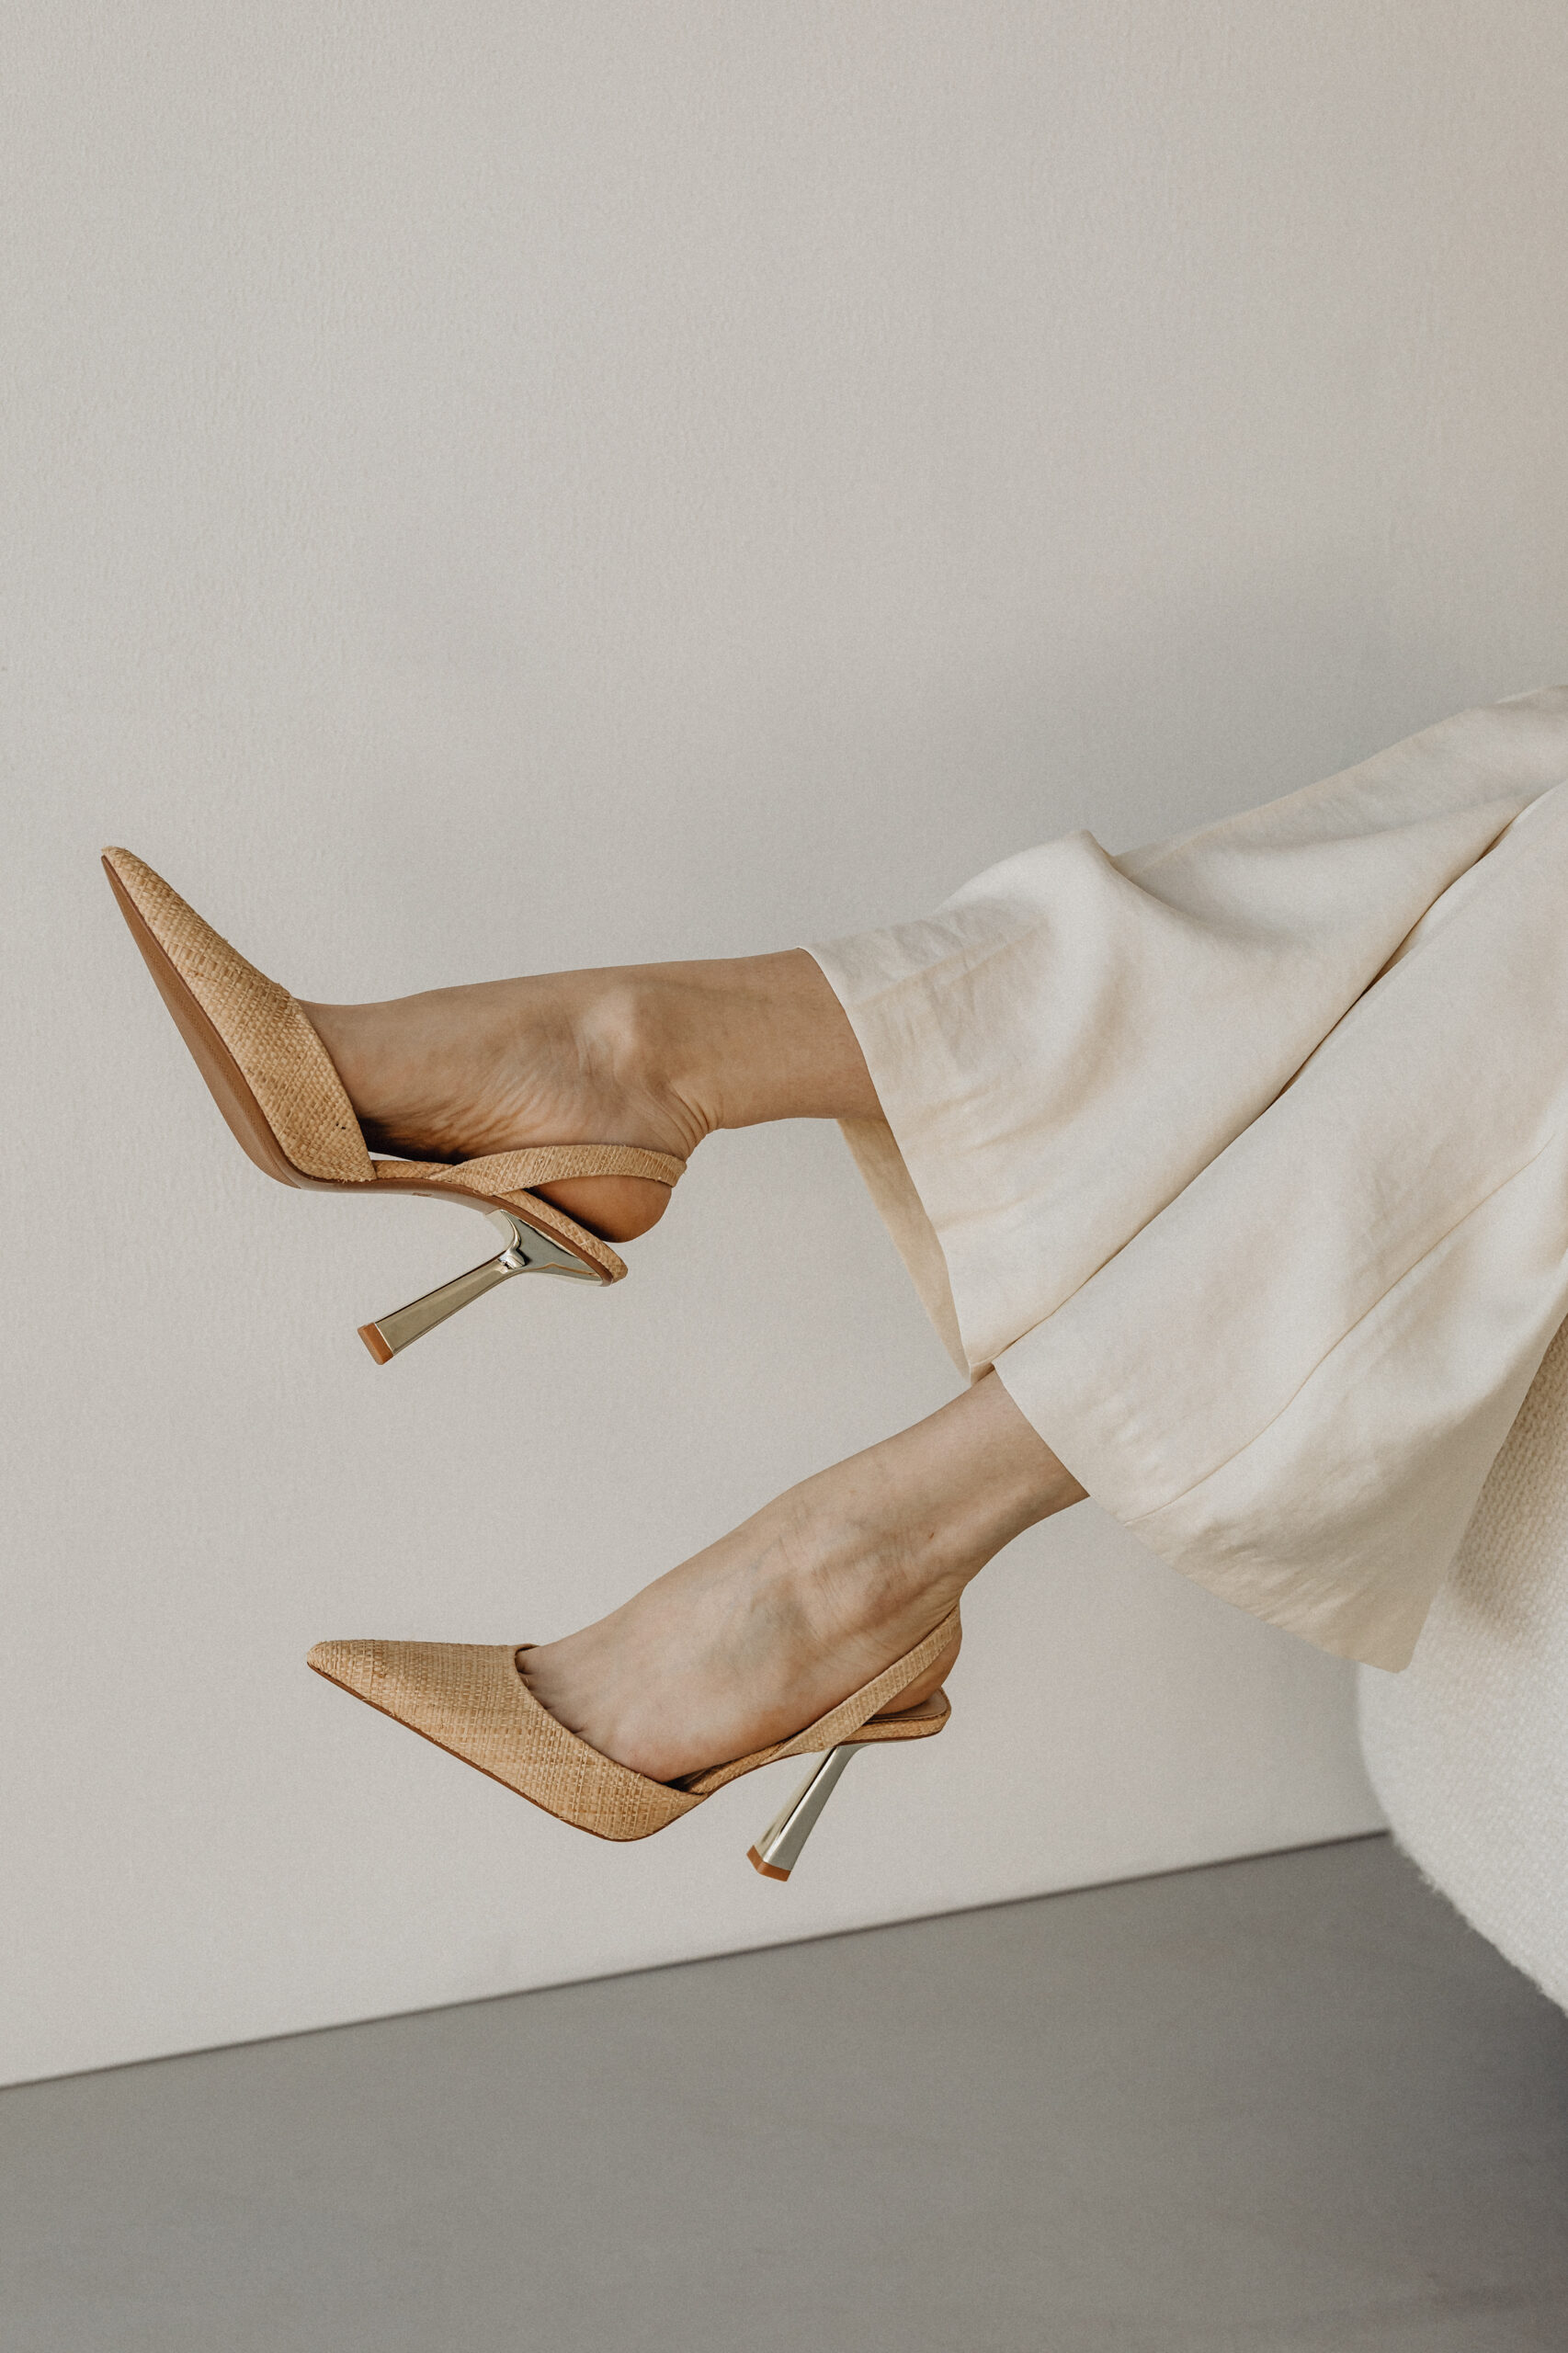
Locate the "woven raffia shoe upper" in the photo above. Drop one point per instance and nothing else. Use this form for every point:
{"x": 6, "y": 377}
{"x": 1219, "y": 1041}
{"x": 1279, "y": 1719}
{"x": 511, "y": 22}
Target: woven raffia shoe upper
{"x": 269, "y": 1038}
{"x": 282, "y": 1060}
{"x": 469, "y": 1699}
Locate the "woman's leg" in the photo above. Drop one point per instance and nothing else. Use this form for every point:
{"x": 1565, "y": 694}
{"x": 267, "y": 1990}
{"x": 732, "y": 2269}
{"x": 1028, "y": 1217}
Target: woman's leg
{"x": 755, "y": 1637}
{"x": 763, "y": 1631}
{"x": 657, "y": 1055}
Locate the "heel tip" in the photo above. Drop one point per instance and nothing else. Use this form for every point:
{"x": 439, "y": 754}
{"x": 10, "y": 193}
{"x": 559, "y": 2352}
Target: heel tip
{"x": 376, "y": 1345}
{"x": 768, "y": 1871}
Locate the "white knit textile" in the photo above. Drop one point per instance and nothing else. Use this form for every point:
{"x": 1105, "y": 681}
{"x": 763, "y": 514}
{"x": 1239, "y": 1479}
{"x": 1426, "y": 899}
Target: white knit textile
{"x": 1468, "y": 1749}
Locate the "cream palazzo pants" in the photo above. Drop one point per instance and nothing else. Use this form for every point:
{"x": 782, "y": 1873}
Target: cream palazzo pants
{"x": 1244, "y": 1158}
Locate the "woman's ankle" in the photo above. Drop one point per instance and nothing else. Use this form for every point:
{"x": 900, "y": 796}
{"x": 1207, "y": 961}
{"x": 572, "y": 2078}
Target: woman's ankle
{"x": 898, "y": 1531}
{"x": 741, "y": 1040}
{"x": 955, "y": 1489}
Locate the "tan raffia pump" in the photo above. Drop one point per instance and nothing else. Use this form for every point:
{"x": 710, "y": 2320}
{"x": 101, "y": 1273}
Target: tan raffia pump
{"x": 275, "y": 1084}
{"x": 470, "y": 1698}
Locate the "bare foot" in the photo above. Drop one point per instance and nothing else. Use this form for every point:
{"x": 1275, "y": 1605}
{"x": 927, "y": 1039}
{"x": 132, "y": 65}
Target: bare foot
{"x": 755, "y": 1637}
{"x": 656, "y": 1055}
{"x": 563, "y": 1058}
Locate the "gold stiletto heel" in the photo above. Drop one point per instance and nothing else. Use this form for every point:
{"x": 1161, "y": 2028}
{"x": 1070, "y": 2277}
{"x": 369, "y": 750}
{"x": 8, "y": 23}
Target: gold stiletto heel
{"x": 277, "y": 1087}
{"x": 527, "y": 1252}
{"x": 777, "y": 1851}
{"x": 469, "y": 1699}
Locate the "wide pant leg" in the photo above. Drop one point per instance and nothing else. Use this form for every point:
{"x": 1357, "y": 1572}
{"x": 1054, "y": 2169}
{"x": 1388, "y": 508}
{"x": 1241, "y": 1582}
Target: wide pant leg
{"x": 1244, "y": 1159}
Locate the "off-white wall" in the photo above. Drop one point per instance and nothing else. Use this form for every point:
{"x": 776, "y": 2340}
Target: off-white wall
{"x": 521, "y": 485}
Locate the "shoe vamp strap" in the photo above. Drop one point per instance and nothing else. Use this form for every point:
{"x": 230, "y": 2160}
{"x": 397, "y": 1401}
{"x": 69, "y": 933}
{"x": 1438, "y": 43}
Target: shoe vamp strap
{"x": 840, "y": 1722}
{"x": 549, "y": 1163}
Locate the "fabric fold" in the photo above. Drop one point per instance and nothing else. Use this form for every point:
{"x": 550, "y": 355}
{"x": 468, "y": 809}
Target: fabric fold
{"x": 1243, "y": 1158}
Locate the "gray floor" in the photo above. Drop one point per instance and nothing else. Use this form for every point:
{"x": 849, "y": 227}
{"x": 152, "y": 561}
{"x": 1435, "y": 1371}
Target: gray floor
{"x": 1284, "y": 2104}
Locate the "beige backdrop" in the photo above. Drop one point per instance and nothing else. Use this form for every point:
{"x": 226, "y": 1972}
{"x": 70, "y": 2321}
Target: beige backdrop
{"x": 525, "y": 485}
